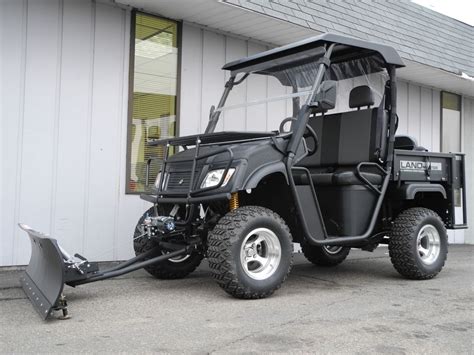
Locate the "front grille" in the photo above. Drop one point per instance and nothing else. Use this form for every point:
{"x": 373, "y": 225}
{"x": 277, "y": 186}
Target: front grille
{"x": 179, "y": 180}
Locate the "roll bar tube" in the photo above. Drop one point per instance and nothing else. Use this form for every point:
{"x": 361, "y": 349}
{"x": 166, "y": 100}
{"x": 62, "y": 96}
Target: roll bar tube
{"x": 303, "y": 115}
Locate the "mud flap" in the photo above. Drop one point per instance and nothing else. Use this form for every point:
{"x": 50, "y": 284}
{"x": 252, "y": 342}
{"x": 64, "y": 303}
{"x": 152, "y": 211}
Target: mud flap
{"x": 43, "y": 280}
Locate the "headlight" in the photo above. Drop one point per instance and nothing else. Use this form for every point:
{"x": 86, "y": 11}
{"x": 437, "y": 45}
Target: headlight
{"x": 213, "y": 177}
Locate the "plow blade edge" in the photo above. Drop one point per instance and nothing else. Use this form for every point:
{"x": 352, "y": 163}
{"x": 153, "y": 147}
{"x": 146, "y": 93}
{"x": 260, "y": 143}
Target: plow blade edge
{"x": 43, "y": 280}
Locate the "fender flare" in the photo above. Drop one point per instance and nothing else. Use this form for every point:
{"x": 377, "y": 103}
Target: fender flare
{"x": 274, "y": 167}
{"x": 409, "y": 191}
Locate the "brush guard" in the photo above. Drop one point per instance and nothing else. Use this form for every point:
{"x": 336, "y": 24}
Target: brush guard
{"x": 51, "y": 267}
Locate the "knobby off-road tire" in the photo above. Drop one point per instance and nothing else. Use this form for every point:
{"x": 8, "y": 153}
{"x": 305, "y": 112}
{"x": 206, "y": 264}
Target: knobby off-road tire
{"x": 250, "y": 252}
{"x": 175, "y": 268}
{"x": 418, "y": 244}
{"x": 325, "y": 256}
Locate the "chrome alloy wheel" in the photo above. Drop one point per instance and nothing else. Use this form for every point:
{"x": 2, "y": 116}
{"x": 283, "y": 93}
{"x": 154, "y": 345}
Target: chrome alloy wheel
{"x": 332, "y": 249}
{"x": 260, "y": 253}
{"x": 428, "y": 244}
{"x": 176, "y": 259}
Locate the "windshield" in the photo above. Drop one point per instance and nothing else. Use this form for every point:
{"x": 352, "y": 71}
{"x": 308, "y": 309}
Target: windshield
{"x": 267, "y": 97}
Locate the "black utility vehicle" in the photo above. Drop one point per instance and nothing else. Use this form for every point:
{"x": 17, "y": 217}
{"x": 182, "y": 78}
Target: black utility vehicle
{"x": 333, "y": 177}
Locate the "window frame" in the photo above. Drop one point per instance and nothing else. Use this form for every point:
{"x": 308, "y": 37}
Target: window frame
{"x": 131, "y": 77}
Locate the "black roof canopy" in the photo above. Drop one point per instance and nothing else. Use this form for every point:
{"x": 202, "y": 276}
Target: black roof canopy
{"x": 347, "y": 48}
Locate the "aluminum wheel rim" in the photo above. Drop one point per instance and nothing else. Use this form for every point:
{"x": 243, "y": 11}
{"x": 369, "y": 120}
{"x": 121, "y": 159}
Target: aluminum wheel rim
{"x": 176, "y": 259}
{"x": 260, "y": 254}
{"x": 332, "y": 249}
{"x": 428, "y": 244}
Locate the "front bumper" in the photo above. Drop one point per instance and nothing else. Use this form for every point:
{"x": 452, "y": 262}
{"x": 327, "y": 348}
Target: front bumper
{"x": 155, "y": 199}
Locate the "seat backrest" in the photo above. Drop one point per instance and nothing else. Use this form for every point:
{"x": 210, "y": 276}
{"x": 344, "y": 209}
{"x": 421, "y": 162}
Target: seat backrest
{"x": 351, "y": 137}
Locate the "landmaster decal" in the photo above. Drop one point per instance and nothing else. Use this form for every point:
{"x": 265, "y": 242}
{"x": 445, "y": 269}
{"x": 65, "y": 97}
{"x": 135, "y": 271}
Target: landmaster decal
{"x": 422, "y": 166}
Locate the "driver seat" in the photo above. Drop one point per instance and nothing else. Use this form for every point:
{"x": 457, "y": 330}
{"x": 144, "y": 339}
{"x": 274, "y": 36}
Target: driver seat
{"x": 347, "y": 139}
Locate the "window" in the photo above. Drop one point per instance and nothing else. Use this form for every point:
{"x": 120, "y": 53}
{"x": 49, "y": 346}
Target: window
{"x": 153, "y": 94}
{"x": 450, "y": 122}
{"x": 451, "y": 142}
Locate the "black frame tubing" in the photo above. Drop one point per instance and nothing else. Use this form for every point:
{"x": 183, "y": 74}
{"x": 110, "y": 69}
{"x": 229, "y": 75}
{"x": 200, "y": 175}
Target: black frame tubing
{"x": 191, "y": 192}
{"x": 293, "y": 145}
{"x": 131, "y": 266}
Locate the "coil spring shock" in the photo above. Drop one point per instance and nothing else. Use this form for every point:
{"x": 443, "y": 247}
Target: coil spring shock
{"x": 234, "y": 201}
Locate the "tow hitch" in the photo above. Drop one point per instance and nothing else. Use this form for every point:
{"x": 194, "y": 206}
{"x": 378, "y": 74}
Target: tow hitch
{"x": 51, "y": 267}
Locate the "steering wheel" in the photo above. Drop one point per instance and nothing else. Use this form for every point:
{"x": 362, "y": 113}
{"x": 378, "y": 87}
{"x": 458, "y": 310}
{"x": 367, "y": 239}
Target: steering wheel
{"x": 309, "y": 133}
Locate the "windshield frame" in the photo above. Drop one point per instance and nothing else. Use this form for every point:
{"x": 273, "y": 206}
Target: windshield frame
{"x": 351, "y": 67}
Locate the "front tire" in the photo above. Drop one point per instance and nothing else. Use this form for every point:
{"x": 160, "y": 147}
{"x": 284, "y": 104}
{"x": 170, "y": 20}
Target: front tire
{"x": 250, "y": 252}
{"x": 326, "y": 255}
{"x": 418, "y": 244}
{"x": 174, "y": 268}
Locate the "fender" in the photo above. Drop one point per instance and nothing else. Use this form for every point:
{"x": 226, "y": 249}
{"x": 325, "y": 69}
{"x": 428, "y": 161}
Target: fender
{"x": 274, "y": 167}
{"x": 409, "y": 191}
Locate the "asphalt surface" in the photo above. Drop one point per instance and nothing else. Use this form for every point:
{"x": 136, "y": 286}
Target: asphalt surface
{"x": 362, "y": 306}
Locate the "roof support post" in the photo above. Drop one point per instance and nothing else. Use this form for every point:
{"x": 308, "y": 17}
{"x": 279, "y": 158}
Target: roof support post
{"x": 393, "y": 115}
{"x": 214, "y": 114}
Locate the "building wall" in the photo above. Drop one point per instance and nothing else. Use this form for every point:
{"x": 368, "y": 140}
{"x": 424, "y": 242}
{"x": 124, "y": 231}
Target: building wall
{"x": 64, "y": 126}
{"x": 64, "y": 91}
{"x": 468, "y": 148}
{"x": 204, "y": 52}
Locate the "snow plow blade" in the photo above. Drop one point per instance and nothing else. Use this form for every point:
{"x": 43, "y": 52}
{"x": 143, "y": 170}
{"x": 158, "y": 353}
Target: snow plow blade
{"x": 51, "y": 267}
{"x": 46, "y": 274}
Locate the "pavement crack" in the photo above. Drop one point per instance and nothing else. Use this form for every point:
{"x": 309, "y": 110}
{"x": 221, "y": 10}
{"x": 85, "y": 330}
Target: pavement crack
{"x": 232, "y": 343}
{"x": 316, "y": 278}
{"x": 12, "y": 299}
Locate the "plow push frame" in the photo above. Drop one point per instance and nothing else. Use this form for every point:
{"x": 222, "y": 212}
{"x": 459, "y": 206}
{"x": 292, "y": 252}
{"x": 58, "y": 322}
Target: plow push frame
{"x": 51, "y": 267}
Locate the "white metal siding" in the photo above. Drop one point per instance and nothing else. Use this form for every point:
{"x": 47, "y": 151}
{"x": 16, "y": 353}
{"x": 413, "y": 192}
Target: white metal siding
{"x": 468, "y": 148}
{"x": 64, "y": 120}
{"x": 204, "y": 52}
{"x": 64, "y": 125}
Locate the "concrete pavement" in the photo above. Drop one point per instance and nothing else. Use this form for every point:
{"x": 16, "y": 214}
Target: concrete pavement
{"x": 361, "y": 306}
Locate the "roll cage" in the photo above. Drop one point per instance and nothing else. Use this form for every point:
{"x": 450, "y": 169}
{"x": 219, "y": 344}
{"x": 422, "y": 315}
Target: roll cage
{"x": 327, "y": 51}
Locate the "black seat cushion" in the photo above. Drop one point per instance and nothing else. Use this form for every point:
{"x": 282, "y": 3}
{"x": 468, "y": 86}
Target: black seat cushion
{"x": 408, "y": 143}
{"x": 361, "y": 96}
{"x": 351, "y": 178}
{"x": 340, "y": 178}
{"x": 349, "y": 138}
{"x": 301, "y": 178}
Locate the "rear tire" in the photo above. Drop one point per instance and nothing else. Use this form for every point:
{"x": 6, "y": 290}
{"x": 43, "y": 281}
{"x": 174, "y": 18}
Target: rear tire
{"x": 418, "y": 244}
{"x": 175, "y": 268}
{"x": 325, "y": 256}
{"x": 250, "y": 252}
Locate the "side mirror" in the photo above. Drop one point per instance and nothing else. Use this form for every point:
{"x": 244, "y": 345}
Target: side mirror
{"x": 325, "y": 99}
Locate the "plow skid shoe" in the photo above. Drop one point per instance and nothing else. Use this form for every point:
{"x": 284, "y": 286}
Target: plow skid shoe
{"x": 43, "y": 280}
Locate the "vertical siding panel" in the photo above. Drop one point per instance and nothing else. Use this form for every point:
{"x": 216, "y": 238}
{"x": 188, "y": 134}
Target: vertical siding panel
{"x": 234, "y": 120}
{"x": 402, "y": 107}
{"x": 13, "y": 27}
{"x": 436, "y": 120}
{"x": 212, "y": 75}
{"x": 191, "y": 81}
{"x": 73, "y": 117}
{"x": 39, "y": 112}
{"x": 468, "y": 148}
{"x": 105, "y": 144}
{"x": 256, "y": 89}
{"x": 57, "y": 95}
{"x": 414, "y": 121}
{"x": 426, "y": 120}
{"x": 276, "y": 110}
